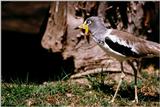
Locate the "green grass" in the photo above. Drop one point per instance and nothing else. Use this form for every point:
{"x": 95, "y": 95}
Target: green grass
{"x": 69, "y": 92}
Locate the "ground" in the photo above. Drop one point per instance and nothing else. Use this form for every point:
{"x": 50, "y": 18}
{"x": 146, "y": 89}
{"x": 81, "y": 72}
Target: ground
{"x": 92, "y": 90}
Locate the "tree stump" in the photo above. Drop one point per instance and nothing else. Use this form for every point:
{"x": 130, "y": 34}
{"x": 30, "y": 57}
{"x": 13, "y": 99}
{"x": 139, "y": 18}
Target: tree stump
{"x": 60, "y": 35}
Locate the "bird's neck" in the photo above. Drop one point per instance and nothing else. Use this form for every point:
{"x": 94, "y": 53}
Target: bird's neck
{"x": 99, "y": 33}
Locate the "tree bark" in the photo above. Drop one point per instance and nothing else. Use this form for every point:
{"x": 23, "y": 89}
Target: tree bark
{"x": 60, "y": 36}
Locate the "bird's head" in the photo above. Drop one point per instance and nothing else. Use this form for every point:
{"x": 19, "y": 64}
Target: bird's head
{"x": 92, "y": 24}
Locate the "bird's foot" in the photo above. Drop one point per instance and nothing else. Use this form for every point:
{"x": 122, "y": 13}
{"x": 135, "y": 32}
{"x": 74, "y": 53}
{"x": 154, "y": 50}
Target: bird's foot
{"x": 135, "y": 101}
{"x": 111, "y": 101}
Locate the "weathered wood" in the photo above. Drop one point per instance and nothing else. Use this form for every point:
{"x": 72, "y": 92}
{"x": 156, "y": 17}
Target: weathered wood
{"x": 100, "y": 70}
{"x": 55, "y": 34}
{"x": 60, "y": 35}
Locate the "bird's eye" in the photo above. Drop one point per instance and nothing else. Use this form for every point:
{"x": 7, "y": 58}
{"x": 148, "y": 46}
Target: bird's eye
{"x": 89, "y": 22}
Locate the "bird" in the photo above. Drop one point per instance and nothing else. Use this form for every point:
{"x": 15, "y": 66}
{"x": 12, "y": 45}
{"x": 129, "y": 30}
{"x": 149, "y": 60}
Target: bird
{"x": 120, "y": 45}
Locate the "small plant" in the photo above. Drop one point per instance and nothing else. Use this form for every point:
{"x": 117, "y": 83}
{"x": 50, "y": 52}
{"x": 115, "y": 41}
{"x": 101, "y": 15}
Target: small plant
{"x": 13, "y": 94}
{"x": 69, "y": 93}
{"x": 105, "y": 103}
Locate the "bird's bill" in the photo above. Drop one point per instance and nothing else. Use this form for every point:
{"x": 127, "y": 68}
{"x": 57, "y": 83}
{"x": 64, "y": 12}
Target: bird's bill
{"x": 85, "y": 27}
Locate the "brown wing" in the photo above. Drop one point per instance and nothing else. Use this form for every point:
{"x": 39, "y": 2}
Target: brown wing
{"x": 143, "y": 47}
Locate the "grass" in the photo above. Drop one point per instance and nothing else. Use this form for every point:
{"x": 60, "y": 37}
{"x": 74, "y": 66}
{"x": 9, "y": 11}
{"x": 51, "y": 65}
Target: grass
{"x": 72, "y": 93}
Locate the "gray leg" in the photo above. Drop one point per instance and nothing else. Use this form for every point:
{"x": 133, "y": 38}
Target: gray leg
{"x": 119, "y": 84}
{"x": 135, "y": 76}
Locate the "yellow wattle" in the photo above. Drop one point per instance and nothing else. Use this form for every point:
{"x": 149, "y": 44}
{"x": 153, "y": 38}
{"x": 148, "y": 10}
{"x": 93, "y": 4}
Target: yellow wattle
{"x": 85, "y": 27}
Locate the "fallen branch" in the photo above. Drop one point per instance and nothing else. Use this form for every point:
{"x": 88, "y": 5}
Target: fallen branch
{"x": 99, "y": 70}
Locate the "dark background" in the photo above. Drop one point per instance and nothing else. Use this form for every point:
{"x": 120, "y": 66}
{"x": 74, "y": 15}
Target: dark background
{"x": 23, "y": 57}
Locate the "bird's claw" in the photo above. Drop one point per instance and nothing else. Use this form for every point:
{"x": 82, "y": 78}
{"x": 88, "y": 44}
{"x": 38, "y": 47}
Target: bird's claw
{"x": 135, "y": 101}
{"x": 111, "y": 101}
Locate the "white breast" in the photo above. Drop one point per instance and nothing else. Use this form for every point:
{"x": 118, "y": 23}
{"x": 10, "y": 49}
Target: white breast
{"x": 101, "y": 42}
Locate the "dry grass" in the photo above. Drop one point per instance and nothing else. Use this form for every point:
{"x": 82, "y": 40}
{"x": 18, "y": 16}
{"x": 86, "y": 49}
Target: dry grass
{"x": 89, "y": 91}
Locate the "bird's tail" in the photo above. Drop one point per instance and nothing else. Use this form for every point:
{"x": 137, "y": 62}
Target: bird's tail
{"x": 154, "y": 48}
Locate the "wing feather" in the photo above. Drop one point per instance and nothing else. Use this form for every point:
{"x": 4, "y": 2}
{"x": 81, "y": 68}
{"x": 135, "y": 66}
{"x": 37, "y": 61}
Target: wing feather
{"x": 137, "y": 45}
{"x": 121, "y": 46}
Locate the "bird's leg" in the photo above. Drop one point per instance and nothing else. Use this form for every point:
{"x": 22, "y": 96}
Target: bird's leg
{"x": 120, "y": 82}
{"x": 139, "y": 65}
{"x": 135, "y": 86}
